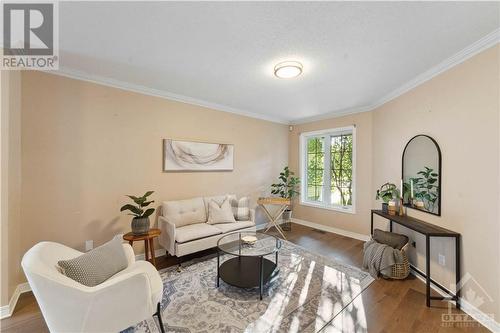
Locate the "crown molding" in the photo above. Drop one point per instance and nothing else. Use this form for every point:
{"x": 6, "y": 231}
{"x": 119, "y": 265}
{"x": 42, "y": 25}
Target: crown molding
{"x": 482, "y": 44}
{"x": 101, "y": 80}
{"x": 334, "y": 114}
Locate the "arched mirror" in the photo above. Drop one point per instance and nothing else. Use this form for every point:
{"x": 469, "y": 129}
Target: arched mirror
{"x": 422, "y": 174}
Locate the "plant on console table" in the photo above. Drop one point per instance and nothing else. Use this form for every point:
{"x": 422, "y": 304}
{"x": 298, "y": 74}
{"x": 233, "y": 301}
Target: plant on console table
{"x": 286, "y": 188}
{"x": 140, "y": 222}
{"x": 388, "y": 193}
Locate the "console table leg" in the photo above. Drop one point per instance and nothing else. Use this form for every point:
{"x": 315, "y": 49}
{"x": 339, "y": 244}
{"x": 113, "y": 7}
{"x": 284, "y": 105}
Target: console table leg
{"x": 457, "y": 271}
{"x": 371, "y": 224}
{"x": 428, "y": 271}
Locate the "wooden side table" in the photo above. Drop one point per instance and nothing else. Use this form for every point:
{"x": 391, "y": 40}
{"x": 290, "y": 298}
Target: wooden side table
{"x": 149, "y": 249}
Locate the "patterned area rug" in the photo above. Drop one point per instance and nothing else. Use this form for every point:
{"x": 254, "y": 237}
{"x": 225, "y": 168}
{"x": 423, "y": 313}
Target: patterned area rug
{"x": 309, "y": 291}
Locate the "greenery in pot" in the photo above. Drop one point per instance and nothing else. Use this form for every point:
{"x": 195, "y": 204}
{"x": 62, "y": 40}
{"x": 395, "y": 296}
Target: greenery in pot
{"x": 140, "y": 222}
{"x": 286, "y": 188}
{"x": 386, "y": 193}
{"x": 426, "y": 188}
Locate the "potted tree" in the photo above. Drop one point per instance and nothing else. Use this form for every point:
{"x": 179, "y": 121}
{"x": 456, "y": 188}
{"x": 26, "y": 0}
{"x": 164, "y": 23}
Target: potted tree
{"x": 387, "y": 192}
{"x": 287, "y": 188}
{"x": 140, "y": 222}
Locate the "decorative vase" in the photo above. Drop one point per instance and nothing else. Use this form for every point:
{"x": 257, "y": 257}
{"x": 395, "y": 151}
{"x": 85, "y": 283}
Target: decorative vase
{"x": 385, "y": 207}
{"x": 392, "y": 207}
{"x": 140, "y": 225}
{"x": 287, "y": 217}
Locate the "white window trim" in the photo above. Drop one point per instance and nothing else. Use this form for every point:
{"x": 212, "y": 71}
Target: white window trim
{"x": 326, "y": 176}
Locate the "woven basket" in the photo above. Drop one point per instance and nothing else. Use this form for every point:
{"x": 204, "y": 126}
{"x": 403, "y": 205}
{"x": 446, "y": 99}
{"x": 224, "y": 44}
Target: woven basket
{"x": 402, "y": 270}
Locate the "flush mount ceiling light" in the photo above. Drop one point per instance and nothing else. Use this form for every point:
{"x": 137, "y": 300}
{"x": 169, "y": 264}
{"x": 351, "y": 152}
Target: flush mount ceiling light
{"x": 288, "y": 69}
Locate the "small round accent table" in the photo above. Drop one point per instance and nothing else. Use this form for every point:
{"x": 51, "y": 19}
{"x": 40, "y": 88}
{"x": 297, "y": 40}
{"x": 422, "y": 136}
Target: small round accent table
{"x": 248, "y": 267}
{"x": 149, "y": 249}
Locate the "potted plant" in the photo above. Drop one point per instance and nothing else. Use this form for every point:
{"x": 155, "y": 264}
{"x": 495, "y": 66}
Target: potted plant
{"x": 387, "y": 192}
{"x": 286, "y": 188}
{"x": 426, "y": 189}
{"x": 140, "y": 222}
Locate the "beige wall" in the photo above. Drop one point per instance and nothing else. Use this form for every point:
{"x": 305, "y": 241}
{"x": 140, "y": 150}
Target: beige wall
{"x": 85, "y": 146}
{"x": 10, "y": 182}
{"x": 460, "y": 109}
{"x": 351, "y": 222}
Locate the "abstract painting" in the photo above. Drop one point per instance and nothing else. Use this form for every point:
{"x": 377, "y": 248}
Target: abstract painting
{"x": 197, "y": 156}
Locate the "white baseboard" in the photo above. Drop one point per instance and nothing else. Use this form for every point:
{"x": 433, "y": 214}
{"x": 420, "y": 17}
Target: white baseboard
{"x": 158, "y": 253}
{"x": 466, "y": 307}
{"x": 332, "y": 229}
{"x": 7, "y": 310}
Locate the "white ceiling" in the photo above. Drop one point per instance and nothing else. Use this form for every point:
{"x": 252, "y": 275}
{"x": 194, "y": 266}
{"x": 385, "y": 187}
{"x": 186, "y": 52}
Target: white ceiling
{"x": 221, "y": 54}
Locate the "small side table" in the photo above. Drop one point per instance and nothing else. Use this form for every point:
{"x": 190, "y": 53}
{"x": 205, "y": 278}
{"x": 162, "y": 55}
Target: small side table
{"x": 149, "y": 249}
{"x": 283, "y": 204}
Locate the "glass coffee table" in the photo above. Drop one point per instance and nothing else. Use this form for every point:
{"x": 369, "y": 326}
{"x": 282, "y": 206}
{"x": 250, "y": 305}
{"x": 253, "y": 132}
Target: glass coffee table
{"x": 248, "y": 268}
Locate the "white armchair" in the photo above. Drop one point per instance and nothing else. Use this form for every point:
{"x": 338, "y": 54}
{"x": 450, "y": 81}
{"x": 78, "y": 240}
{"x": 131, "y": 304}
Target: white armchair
{"x": 123, "y": 300}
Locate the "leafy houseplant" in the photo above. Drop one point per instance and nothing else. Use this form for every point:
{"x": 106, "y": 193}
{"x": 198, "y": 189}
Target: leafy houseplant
{"x": 140, "y": 222}
{"x": 426, "y": 188}
{"x": 387, "y": 192}
{"x": 286, "y": 188}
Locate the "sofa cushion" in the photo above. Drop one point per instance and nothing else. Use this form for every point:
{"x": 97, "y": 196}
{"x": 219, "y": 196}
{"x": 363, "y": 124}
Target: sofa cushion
{"x": 217, "y": 198}
{"x": 240, "y": 207}
{"x": 220, "y": 213}
{"x": 185, "y": 212}
{"x": 195, "y": 231}
{"x": 228, "y": 227}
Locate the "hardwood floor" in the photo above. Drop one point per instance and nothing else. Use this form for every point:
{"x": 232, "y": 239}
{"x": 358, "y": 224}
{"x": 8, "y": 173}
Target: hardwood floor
{"x": 385, "y": 306}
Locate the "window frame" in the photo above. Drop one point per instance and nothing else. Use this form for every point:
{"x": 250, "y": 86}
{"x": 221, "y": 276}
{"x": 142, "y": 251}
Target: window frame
{"x": 326, "y": 169}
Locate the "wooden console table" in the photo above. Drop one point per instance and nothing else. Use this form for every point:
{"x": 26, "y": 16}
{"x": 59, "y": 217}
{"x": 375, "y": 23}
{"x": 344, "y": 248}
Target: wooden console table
{"x": 273, "y": 220}
{"x": 429, "y": 230}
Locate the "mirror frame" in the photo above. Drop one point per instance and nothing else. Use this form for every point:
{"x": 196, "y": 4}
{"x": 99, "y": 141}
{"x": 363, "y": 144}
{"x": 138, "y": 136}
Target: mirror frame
{"x": 439, "y": 172}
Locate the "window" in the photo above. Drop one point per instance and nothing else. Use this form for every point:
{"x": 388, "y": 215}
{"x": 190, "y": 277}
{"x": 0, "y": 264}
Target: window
{"x": 328, "y": 168}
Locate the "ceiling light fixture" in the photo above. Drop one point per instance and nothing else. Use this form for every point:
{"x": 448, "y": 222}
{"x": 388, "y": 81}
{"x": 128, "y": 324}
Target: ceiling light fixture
{"x": 288, "y": 69}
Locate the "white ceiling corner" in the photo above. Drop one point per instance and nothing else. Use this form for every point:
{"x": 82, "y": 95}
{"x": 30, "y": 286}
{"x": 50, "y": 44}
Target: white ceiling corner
{"x": 220, "y": 55}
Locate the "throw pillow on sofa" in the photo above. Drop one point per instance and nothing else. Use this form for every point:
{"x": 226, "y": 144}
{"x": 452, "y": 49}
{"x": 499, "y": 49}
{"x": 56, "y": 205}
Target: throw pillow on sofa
{"x": 241, "y": 208}
{"x": 96, "y": 266}
{"x": 220, "y": 213}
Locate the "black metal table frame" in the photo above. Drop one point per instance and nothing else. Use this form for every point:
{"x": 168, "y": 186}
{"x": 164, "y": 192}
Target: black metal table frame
{"x": 261, "y": 266}
{"x": 427, "y": 275}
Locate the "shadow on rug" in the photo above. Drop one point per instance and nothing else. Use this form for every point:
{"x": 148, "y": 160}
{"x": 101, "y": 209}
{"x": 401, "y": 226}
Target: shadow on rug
{"x": 309, "y": 291}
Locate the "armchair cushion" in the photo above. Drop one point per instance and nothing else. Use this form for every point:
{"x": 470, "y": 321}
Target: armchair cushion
{"x": 195, "y": 231}
{"x": 96, "y": 266}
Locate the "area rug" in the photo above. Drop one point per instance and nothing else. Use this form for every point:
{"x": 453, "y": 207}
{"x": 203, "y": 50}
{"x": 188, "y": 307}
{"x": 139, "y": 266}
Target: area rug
{"x": 307, "y": 293}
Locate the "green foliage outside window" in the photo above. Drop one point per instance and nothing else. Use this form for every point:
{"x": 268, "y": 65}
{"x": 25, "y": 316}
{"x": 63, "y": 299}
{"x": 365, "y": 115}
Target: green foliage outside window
{"x": 340, "y": 165}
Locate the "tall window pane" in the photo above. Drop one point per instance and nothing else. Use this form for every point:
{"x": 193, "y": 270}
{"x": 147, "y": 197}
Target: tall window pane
{"x": 315, "y": 168}
{"x": 341, "y": 170}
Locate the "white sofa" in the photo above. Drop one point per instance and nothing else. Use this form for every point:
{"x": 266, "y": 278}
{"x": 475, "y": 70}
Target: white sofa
{"x": 184, "y": 227}
{"x": 125, "y": 299}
